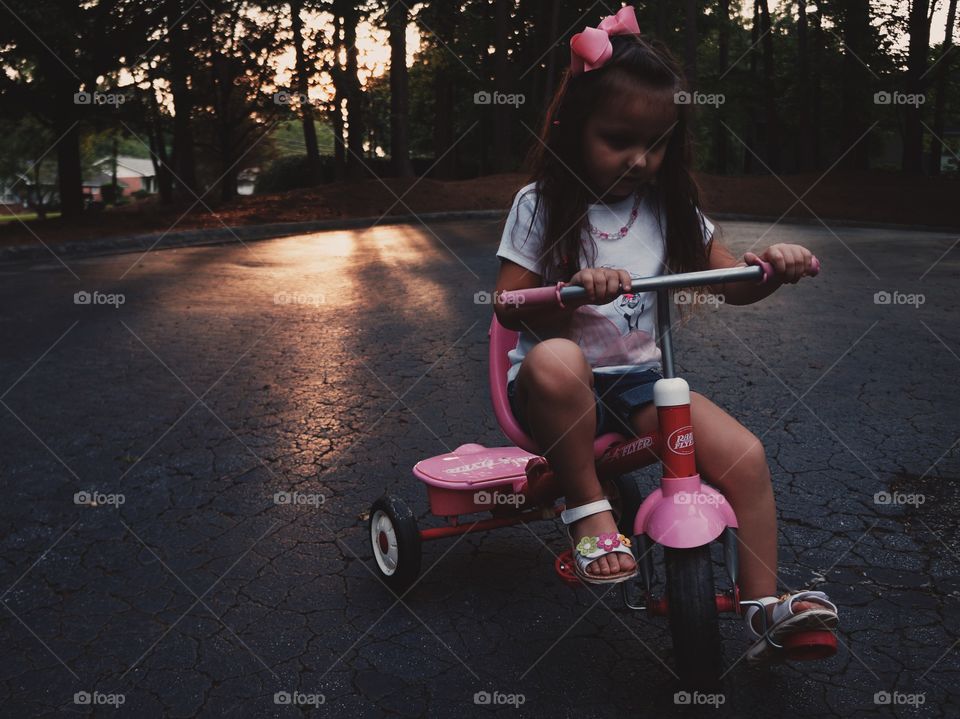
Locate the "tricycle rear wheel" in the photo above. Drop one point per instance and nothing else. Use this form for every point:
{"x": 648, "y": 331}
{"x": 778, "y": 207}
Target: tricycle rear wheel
{"x": 395, "y": 541}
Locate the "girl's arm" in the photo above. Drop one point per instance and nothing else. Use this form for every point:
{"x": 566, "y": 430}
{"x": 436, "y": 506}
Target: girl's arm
{"x": 790, "y": 262}
{"x": 539, "y": 319}
{"x": 603, "y": 285}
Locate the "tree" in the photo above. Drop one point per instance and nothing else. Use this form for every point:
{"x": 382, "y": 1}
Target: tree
{"x": 856, "y": 94}
{"x": 943, "y": 72}
{"x": 915, "y": 85}
{"x": 58, "y": 54}
{"x": 720, "y": 143}
{"x": 179, "y": 38}
{"x": 27, "y": 167}
{"x": 235, "y": 48}
{"x": 347, "y": 88}
{"x": 443, "y": 17}
{"x": 399, "y": 90}
{"x": 302, "y": 75}
{"x": 771, "y": 122}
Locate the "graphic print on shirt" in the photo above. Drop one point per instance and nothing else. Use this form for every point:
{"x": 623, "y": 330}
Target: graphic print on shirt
{"x": 628, "y": 309}
{"x": 595, "y": 330}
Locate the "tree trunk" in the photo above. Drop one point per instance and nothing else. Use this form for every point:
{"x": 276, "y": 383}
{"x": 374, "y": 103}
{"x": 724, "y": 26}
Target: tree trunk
{"x": 69, "y": 171}
{"x": 755, "y": 129}
{"x": 940, "y": 108}
{"x": 336, "y": 110}
{"x": 816, "y": 88}
{"x": 503, "y": 83}
{"x": 303, "y": 88}
{"x": 720, "y": 144}
{"x": 399, "y": 91}
{"x": 690, "y": 43}
{"x": 40, "y": 206}
{"x": 356, "y": 132}
{"x": 916, "y": 67}
{"x": 158, "y": 149}
{"x": 769, "y": 92}
{"x": 551, "y": 77}
{"x": 445, "y": 25}
{"x": 855, "y": 112}
{"x": 802, "y": 142}
{"x": 184, "y": 162}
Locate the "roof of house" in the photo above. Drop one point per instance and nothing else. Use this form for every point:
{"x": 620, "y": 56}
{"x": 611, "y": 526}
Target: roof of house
{"x": 127, "y": 166}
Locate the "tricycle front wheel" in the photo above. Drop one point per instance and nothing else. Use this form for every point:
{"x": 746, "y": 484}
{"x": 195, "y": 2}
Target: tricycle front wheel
{"x": 694, "y": 625}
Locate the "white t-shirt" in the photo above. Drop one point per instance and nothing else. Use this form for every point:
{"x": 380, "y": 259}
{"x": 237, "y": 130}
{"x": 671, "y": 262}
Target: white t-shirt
{"x": 620, "y": 335}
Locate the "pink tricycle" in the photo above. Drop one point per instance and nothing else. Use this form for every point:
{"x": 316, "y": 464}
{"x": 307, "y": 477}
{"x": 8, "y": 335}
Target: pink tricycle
{"x": 684, "y": 515}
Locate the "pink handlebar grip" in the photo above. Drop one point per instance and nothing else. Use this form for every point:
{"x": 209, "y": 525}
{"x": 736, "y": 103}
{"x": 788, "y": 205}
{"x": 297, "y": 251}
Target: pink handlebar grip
{"x": 533, "y": 296}
{"x": 769, "y": 272}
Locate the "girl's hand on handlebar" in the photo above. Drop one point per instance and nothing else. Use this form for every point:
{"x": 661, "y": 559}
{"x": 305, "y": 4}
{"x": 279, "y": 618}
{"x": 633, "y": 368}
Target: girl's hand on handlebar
{"x": 602, "y": 284}
{"x": 791, "y": 262}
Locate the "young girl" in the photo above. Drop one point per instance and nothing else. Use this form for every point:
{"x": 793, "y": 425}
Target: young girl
{"x": 613, "y": 198}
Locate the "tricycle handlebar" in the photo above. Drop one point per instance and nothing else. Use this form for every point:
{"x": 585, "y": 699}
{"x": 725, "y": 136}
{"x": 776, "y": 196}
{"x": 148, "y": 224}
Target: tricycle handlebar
{"x": 561, "y": 292}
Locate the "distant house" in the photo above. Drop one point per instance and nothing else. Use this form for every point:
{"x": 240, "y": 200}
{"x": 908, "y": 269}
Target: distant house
{"x": 133, "y": 174}
{"x": 28, "y": 190}
{"x": 10, "y": 202}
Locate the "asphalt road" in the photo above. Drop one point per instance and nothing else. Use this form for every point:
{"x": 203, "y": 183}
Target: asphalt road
{"x": 198, "y": 384}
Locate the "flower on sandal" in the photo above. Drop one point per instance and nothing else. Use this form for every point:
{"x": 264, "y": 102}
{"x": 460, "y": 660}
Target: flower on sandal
{"x": 609, "y": 541}
{"x": 587, "y": 546}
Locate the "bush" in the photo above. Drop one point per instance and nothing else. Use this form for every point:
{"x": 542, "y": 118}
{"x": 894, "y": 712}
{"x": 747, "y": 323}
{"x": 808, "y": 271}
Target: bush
{"x": 109, "y": 193}
{"x": 284, "y": 173}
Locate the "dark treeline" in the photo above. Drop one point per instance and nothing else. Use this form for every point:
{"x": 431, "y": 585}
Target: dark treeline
{"x": 780, "y": 87}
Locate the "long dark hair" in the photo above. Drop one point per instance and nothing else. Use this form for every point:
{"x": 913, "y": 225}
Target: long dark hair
{"x": 556, "y": 162}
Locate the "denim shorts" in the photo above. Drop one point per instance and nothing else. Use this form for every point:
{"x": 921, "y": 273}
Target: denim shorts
{"x": 616, "y": 395}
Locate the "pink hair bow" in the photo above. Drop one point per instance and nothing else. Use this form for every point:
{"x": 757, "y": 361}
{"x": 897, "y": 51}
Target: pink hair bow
{"x": 591, "y": 48}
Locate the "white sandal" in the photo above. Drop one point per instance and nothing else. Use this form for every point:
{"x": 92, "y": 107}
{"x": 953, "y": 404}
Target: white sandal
{"x": 785, "y": 621}
{"x": 589, "y": 549}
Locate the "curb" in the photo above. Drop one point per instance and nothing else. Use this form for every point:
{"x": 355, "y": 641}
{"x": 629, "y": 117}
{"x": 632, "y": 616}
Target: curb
{"x": 866, "y": 224}
{"x": 253, "y": 233}
{"x": 221, "y": 236}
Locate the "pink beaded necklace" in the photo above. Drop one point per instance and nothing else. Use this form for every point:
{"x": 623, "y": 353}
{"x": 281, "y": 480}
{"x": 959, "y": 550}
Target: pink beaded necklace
{"x": 623, "y": 230}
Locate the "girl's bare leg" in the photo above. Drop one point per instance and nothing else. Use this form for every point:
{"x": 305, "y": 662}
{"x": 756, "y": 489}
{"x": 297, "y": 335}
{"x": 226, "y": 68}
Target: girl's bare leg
{"x": 555, "y": 394}
{"x": 732, "y": 459}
